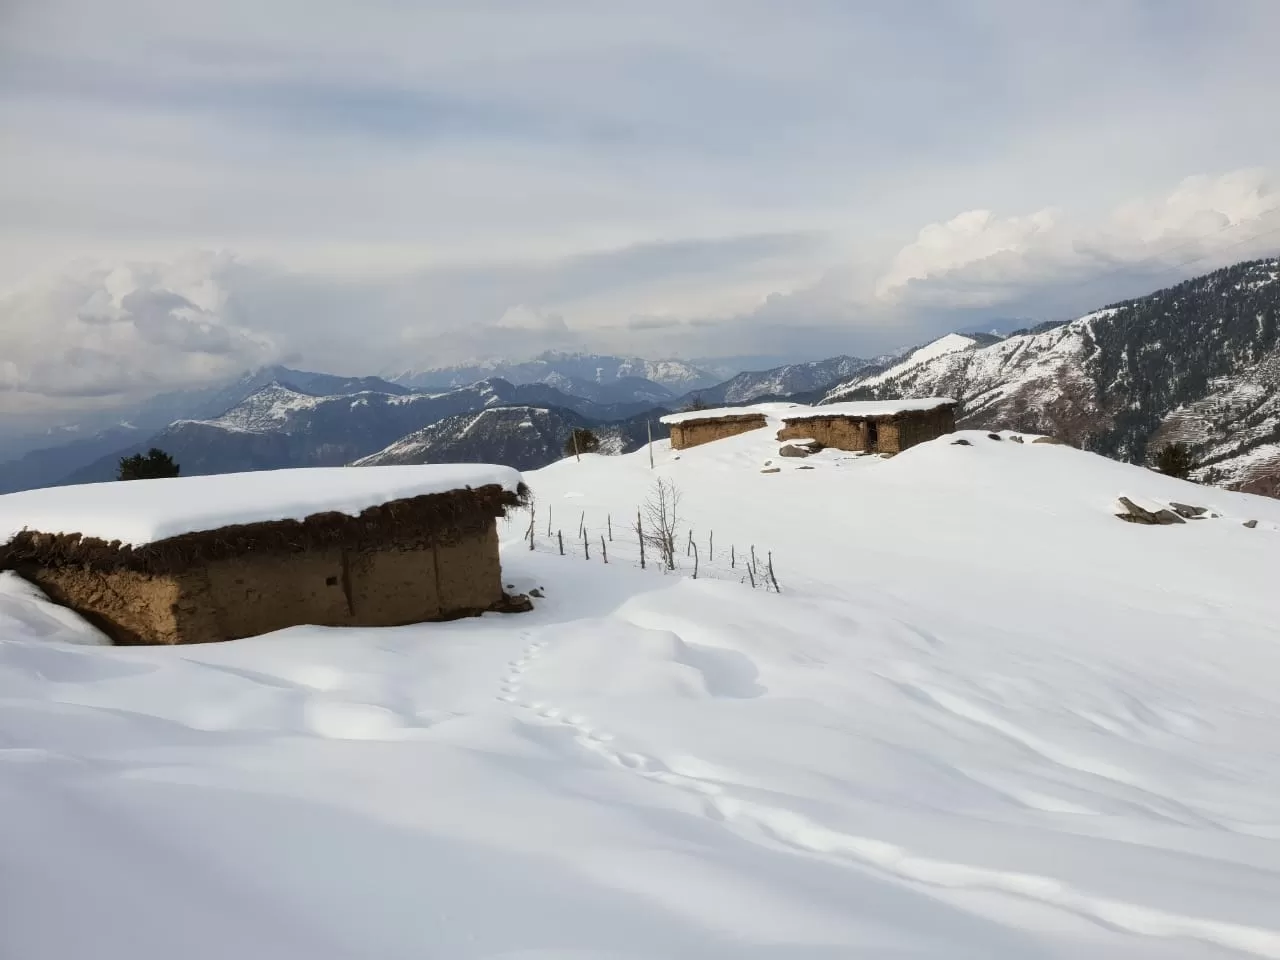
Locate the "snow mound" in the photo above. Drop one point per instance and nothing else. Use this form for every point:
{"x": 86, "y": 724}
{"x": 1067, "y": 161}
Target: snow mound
{"x": 144, "y": 511}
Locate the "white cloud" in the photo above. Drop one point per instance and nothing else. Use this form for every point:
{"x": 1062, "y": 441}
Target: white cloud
{"x": 966, "y": 239}
{"x": 979, "y": 260}
{"x": 521, "y": 317}
{"x": 434, "y": 180}
{"x": 123, "y": 331}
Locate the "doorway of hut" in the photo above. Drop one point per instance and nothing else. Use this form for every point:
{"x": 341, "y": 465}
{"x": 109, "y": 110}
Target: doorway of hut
{"x": 873, "y": 436}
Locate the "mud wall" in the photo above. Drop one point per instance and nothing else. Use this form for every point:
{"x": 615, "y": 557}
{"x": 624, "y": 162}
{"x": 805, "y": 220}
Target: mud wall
{"x": 917, "y": 427}
{"x": 891, "y": 434}
{"x": 129, "y": 607}
{"x": 244, "y": 597}
{"x": 695, "y": 432}
{"x": 840, "y": 433}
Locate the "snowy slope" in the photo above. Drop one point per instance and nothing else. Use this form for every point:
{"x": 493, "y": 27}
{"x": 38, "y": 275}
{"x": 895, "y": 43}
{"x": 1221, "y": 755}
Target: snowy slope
{"x": 522, "y": 437}
{"x": 1035, "y": 381}
{"x": 951, "y": 343}
{"x": 983, "y": 718}
{"x": 268, "y": 409}
{"x": 1199, "y": 362}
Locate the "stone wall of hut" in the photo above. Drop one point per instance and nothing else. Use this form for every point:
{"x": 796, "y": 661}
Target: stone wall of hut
{"x": 839, "y": 433}
{"x": 692, "y": 433}
{"x": 226, "y": 599}
{"x": 888, "y": 434}
{"x": 918, "y": 426}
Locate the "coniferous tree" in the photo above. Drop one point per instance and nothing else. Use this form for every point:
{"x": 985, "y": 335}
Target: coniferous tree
{"x": 154, "y": 465}
{"x": 1175, "y": 460}
{"x": 581, "y": 440}
{"x": 697, "y": 403}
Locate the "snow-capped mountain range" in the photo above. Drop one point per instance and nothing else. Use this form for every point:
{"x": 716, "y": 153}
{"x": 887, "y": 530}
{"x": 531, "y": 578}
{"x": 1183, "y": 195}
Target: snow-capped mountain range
{"x": 523, "y": 437}
{"x": 1198, "y": 362}
{"x": 791, "y": 380}
{"x": 278, "y": 426}
{"x": 618, "y": 376}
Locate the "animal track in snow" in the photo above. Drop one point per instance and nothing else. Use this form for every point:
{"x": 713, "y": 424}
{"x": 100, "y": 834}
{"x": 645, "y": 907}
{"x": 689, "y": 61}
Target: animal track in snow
{"x": 803, "y": 835}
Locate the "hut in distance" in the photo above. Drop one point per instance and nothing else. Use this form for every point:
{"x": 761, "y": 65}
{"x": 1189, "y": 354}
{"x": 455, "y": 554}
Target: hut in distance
{"x": 872, "y": 426}
{"x": 695, "y": 427}
{"x": 197, "y": 559}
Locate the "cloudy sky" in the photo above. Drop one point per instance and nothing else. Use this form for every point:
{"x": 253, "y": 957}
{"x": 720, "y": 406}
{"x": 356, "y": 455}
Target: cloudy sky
{"x": 188, "y": 189}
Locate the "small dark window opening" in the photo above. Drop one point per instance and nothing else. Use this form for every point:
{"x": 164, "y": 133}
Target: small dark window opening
{"x": 873, "y": 436}
{"x": 330, "y": 581}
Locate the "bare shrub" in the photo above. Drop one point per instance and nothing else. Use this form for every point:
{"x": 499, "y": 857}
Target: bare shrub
{"x": 662, "y": 511}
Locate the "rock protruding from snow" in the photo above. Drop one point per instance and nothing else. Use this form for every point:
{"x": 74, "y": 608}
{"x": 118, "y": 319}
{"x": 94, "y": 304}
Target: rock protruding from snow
{"x": 800, "y": 448}
{"x": 1148, "y": 513}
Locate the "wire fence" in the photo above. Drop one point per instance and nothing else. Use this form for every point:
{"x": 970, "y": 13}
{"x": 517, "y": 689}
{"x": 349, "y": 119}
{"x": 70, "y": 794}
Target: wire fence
{"x": 605, "y": 538}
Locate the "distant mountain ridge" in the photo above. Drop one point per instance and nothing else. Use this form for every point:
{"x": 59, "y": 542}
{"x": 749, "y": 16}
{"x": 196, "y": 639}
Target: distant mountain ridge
{"x": 609, "y": 373}
{"x": 1197, "y": 362}
{"x": 786, "y": 380}
{"x": 278, "y": 426}
{"x": 522, "y": 437}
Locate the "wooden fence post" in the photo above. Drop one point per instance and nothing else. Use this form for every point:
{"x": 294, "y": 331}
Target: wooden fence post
{"x": 603, "y": 549}
{"x": 560, "y": 537}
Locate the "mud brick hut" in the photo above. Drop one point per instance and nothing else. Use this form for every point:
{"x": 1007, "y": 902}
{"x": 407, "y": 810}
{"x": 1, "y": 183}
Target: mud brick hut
{"x": 695, "y": 427}
{"x": 196, "y": 559}
{"x": 876, "y": 426}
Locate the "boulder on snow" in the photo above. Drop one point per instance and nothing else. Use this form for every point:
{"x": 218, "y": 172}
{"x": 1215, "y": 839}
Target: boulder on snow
{"x": 1250, "y": 524}
{"x": 1187, "y": 511}
{"x": 1054, "y": 440}
{"x": 514, "y": 603}
{"x": 962, "y": 442}
{"x": 794, "y": 450}
{"x": 1133, "y": 513}
{"x": 1016, "y": 439}
{"x": 771, "y": 470}
{"x": 995, "y": 436}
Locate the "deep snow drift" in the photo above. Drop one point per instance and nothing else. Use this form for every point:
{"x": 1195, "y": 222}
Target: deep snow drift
{"x": 983, "y": 718}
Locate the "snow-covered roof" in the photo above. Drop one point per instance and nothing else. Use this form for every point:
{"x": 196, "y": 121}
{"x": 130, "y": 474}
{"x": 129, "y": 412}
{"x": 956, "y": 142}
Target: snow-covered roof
{"x": 716, "y": 413}
{"x": 868, "y": 408}
{"x": 144, "y": 511}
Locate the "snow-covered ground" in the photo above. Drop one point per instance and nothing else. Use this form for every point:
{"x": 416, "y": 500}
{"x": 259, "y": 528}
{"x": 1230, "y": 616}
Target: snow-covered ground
{"x": 983, "y": 718}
